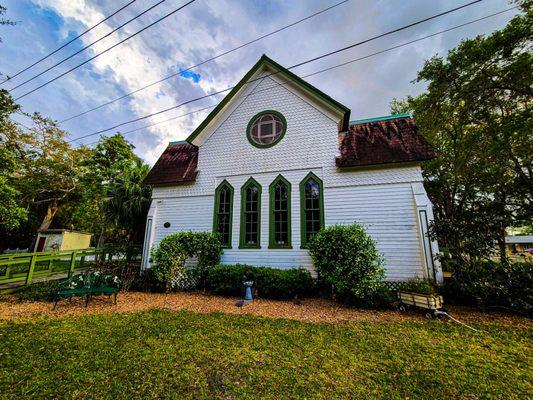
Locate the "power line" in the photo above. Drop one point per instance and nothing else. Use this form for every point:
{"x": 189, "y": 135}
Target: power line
{"x": 289, "y": 68}
{"x": 69, "y": 42}
{"x": 157, "y": 123}
{"x": 109, "y": 48}
{"x": 206, "y": 61}
{"x": 328, "y": 69}
{"x": 86, "y": 47}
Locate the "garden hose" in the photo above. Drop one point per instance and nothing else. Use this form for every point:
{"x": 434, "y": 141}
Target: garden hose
{"x": 456, "y": 320}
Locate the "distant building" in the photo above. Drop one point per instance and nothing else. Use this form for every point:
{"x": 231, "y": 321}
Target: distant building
{"x": 519, "y": 244}
{"x": 62, "y": 239}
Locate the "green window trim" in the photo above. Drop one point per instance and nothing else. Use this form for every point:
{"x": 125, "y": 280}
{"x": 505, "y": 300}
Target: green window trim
{"x": 223, "y": 184}
{"x": 258, "y": 115}
{"x": 303, "y": 225}
{"x": 242, "y": 233}
{"x": 272, "y": 223}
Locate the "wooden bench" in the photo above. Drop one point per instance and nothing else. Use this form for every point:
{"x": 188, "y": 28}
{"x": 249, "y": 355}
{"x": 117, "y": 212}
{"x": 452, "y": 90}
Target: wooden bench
{"x": 89, "y": 284}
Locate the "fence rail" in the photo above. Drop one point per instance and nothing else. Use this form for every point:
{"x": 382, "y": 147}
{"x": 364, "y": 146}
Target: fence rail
{"x": 21, "y": 269}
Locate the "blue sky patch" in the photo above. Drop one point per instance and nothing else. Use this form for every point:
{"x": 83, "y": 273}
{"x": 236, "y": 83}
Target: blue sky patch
{"x": 195, "y": 77}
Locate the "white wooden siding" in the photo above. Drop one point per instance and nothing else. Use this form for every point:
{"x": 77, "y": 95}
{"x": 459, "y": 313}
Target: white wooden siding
{"x": 389, "y": 214}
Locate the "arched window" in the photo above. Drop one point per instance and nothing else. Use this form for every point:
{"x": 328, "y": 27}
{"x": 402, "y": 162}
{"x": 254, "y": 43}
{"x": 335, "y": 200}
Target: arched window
{"x": 250, "y": 235}
{"x": 223, "y": 212}
{"x": 311, "y": 207}
{"x": 280, "y": 214}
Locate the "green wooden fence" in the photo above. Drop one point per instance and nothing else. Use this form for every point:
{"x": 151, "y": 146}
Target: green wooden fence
{"x": 21, "y": 269}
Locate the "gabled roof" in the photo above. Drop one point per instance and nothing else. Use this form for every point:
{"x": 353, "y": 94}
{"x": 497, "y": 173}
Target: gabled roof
{"x": 267, "y": 62}
{"x": 382, "y": 140}
{"x": 178, "y": 163}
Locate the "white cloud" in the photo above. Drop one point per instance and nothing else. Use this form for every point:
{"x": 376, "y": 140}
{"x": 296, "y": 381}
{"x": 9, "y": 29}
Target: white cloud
{"x": 204, "y": 29}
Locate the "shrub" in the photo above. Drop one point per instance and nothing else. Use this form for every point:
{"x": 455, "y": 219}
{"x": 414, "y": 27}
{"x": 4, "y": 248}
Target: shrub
{"x": 169, "y": 259}
{"x": 493, "y": 284}
{"x": 127, "y": 272}
{"x": 348, "y": 263}
{"x": 270, "y": 282}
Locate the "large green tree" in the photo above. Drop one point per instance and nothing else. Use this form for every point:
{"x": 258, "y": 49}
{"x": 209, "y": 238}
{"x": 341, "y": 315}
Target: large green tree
{"x": 12, "y": 214}
{"x": 477, "y": 114}
{"x": 114, "y": 201}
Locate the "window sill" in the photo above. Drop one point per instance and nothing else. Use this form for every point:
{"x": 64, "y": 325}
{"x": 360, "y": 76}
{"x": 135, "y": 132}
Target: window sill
{"x": 275, "y": 246}
{"x": 244, "y": 247}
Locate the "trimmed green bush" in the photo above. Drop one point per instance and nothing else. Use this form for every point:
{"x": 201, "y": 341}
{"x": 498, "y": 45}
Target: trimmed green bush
{"x": 169, "y": 259}
{"x": 348, "y": 263}
{"x": 269, "y": 282}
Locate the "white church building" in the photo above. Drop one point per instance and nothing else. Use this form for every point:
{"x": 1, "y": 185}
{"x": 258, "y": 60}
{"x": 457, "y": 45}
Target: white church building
{"x": 277, "y": 160}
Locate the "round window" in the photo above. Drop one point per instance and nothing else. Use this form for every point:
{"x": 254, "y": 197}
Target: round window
{"x": 266, "y": 129}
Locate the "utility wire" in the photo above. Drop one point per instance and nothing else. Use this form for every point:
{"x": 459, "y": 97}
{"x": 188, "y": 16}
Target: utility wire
{"x": 206, "y": 61}
{"x": 86, "y": 47}
{"x": 109, "y": 48}
{"x": 327, "y": 69}
{"x": 289, "y": 68}
{"x": 69, "y": 42}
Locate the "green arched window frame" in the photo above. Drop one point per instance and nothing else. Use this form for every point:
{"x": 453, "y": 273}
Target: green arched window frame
{"x": 277, "y": 227}
{"x": 248, "y": 226}
{"x": 258, "y": 115}
{"x": 318, "y": 210}
{"x": 223, "y": 210}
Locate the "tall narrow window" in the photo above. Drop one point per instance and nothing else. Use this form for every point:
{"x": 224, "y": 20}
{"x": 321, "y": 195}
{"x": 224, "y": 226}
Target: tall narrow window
{"x": 223, "y": 212}
{"x": 311, "y": 207}
{"x": 250, "y": 215}
{"x": 280, "y": 214}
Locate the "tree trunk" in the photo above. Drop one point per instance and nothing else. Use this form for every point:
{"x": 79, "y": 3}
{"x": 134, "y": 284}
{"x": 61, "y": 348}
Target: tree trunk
{"x": 49, "y": 216}
{"x": 502, "y": 247}
{"x": 47, "y": 221}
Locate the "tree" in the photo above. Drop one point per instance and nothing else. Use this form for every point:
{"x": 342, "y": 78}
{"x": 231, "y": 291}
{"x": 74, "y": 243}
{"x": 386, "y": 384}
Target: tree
{"x": 476, "y": 113}
{"x": 129, "y": 200}
{"x": 114, "y": 202}
{"x": 11, "y": 213}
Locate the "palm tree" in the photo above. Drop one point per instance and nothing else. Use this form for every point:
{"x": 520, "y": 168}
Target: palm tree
{"x": 128, "y": 200}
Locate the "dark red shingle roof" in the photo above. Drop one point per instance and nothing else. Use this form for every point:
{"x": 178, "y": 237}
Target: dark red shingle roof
{"x": 178, "y": 163}
{"x": 394, "y": 140}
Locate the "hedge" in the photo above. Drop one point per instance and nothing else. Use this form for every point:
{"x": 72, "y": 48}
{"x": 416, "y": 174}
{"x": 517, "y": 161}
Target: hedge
{"x": 268, "y": 282}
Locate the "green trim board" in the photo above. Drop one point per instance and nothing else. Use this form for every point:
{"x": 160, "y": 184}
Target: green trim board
{"x": 242, "y": 230}
{"x": 177, "y": 142}
{"x": 266, "y": 61}
{"x": 303, "y": 225}
{"x": 272, "y": 224}
{"x": 383, "y": 118}
{"x": 258, "y": 115}
{"x": 223, "y": 184}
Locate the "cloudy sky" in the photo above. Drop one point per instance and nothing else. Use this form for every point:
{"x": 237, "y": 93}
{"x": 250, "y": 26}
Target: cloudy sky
{"x": 205, "y": 29}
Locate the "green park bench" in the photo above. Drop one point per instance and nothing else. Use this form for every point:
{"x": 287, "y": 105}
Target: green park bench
{"x": 88, "y": 284}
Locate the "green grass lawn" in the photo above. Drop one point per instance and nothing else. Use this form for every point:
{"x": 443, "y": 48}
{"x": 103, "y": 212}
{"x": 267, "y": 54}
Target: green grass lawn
{"x": 176, "y": 355}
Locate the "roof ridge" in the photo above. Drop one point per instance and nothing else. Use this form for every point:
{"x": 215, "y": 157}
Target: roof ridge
{"x": 382, "y": 118}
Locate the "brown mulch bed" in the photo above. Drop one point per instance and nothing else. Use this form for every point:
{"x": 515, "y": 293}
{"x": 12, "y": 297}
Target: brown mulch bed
{"x": 311, "y": 310}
